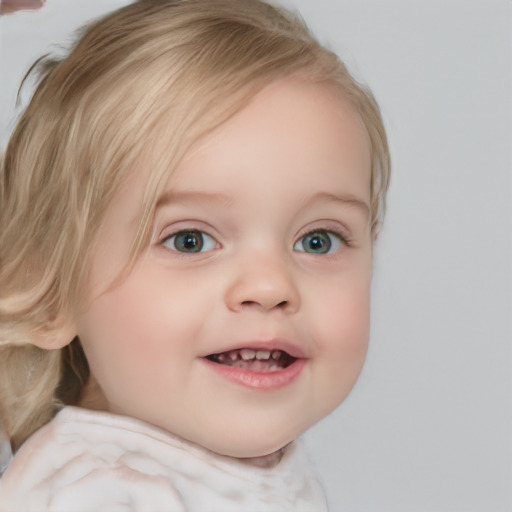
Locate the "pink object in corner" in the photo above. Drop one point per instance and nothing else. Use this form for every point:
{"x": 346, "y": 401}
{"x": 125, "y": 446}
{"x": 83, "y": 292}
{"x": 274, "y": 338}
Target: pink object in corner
{"x": 10, "y": 6}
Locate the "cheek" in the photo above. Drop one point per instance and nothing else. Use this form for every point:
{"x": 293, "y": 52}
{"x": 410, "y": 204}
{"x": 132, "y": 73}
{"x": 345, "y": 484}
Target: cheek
{"x": 345, "y": 308}
{"x": 125, "y": 349}
{"x": 343, "y": 342}
{"x": 116, "y": 329}
{"x": 347, "y": 322}
{"x": 343, "y": 328}
{"x": 143, "y": 323}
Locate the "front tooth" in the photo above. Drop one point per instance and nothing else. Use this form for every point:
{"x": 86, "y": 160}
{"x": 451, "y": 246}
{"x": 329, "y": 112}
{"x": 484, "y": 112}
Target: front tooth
{"x": 276, "y": 354}
{"x": 263, "y": 354}
{"x": 247, "y": 354}
{"x": 233, "y": 355}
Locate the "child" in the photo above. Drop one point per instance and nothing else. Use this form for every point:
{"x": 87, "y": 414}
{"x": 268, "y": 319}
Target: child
{"x": 189, "y": 205}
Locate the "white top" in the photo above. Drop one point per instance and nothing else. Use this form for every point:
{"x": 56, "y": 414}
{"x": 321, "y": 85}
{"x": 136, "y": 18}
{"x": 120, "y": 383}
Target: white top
{"x": 91, "y": 461}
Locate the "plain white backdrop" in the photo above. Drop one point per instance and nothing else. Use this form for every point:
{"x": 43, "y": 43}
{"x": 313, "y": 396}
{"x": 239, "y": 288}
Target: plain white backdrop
{"x": 428, "y": 426}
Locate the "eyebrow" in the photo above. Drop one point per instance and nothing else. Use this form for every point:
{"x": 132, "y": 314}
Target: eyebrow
{"x": 223, "y": 199}
{"x": 193, "y": 196}
{"x": 344, "y": 199}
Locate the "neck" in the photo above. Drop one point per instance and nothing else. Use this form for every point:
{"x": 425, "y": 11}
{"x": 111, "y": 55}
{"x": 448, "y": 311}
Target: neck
{"x": 265, "y": 461}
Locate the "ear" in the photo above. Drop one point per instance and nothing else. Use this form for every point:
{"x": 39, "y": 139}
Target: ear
{"x": 55, "y": 336}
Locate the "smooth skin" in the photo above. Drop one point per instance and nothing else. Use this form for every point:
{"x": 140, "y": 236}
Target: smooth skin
{"x": 261, "y": 236}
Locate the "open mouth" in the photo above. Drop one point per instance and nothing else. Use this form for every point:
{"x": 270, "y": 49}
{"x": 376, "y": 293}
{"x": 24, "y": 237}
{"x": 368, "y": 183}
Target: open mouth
{"x": 254, "y": 360}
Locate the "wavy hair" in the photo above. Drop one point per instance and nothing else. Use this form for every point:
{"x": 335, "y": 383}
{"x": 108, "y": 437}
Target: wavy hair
{"x": 154, "y": 71}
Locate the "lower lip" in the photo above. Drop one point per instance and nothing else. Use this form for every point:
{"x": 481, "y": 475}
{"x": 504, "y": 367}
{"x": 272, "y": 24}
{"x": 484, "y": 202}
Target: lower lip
{"x": 260, "y": 380}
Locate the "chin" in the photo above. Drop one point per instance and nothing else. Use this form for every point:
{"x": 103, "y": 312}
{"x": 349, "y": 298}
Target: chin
{"x": 253, "y": 444}
{"x": 250, "y": 435}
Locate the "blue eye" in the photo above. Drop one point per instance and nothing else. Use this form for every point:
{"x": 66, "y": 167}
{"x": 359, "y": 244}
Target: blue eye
{"x": 319, "y": 242}
{"x": 190, "y": 241}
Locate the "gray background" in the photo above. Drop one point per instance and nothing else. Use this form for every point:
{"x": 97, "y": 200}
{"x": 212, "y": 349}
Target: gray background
{"x": 428, "y": 426}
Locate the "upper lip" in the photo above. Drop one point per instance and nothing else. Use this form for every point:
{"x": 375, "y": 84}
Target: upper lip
{"x": 289, "y": 347}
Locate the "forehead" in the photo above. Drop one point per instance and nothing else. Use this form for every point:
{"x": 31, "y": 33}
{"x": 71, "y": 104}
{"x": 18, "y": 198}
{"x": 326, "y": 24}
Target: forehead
{"x": 291, "y": 127}
{"x": 309, "y": 127}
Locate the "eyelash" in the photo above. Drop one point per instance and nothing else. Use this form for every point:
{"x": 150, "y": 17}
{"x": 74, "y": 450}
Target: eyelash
{"x": 342, "y": 238}
{"x": 191, "y": 232}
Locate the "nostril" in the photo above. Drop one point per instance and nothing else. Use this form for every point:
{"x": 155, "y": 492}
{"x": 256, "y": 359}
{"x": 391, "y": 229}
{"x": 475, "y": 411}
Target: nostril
{"x": 249, "y": 303}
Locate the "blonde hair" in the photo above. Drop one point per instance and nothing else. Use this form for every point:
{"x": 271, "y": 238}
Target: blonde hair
{"x": 155, "y": 72}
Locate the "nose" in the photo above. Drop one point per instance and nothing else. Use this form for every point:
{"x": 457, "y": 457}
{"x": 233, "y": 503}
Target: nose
{"x": 263, "y": 284}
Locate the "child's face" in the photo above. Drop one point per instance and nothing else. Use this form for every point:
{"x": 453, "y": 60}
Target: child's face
{"x": 261, "y": 245}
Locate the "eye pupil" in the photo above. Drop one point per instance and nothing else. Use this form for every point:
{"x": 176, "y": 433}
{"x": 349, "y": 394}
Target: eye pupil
{"x": 189, "y": 241}
{"x": 319, "y": 243}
